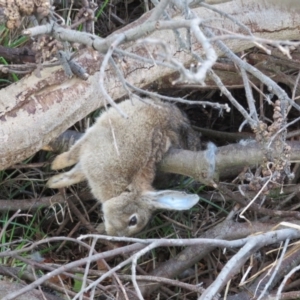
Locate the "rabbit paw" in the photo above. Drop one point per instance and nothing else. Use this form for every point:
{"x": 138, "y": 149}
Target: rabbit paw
{"x": 57, "y": 181}
{"x": 61, "y": 161}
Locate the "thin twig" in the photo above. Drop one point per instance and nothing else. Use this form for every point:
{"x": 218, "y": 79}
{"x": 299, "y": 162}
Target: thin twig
{"x": 105, "y": 61}
{"x": 277, "y": 267}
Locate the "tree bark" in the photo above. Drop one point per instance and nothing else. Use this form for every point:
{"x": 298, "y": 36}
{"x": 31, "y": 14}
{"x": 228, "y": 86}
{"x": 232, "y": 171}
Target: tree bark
{"x": 35, "y": 110}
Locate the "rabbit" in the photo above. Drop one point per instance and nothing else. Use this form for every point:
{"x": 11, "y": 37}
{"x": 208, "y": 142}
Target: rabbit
{"x": 118, "y": 158}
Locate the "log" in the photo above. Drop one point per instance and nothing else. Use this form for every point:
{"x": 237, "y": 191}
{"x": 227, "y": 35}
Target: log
{"x": 35, "y": 110}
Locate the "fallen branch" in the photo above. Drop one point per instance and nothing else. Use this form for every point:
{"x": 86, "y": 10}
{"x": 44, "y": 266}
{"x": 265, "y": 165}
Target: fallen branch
{"x": 52, "y": 103}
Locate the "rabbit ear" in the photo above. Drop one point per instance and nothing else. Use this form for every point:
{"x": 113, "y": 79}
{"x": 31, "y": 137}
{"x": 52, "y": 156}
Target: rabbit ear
{"x": 172, "y": 200}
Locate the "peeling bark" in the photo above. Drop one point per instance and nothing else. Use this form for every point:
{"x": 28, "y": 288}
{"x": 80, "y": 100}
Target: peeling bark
{"x": 35, "y": 110}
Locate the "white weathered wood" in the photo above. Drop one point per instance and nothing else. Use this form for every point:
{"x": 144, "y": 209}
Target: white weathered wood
{"x": 35, "y": 110}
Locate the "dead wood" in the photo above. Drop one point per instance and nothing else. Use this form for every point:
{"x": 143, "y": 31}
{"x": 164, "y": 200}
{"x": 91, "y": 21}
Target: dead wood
{"x": 18, "y": 273}
{"x": 227, "y": 230}
{"x": 18, "y": 55}
{"x": 261, "y": 281}
{"x": 7, "y": 287}
{"x": 34, "y": 204}
{"x": 45, "y": 107}
{"x": 36, "y": 110}
{"x": 230, "y": 160}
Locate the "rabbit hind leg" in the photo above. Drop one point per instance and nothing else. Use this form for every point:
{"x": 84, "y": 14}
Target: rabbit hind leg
{"x": 68, "y": 158}
{"x": 73, "y": 176}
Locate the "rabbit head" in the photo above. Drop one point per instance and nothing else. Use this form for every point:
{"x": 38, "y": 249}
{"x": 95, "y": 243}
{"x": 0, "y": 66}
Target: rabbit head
{"x": 128, "y": 213}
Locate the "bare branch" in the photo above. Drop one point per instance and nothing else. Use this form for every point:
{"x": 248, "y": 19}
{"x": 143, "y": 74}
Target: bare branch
{"x": 237, "y": 261}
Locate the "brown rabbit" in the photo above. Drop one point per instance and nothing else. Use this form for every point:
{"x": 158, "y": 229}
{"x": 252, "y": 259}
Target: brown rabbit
{"x": 118, "y": 157}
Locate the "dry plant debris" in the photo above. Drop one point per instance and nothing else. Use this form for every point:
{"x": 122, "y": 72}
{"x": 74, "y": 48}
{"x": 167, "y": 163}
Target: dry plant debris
{"x": 14, "y": 10}
{"x": 239, "y": 242}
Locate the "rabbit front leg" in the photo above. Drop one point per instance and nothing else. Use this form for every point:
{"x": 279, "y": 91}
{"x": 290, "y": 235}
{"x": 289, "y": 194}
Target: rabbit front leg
{"x": 73, "y": 176}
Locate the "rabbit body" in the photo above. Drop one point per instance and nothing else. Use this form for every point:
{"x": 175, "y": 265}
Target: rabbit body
{"x": 118, "y": 157}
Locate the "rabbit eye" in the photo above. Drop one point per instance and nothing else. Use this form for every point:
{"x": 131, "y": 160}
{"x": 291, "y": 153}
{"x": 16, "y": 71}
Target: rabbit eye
{"x": 132, "y": 221}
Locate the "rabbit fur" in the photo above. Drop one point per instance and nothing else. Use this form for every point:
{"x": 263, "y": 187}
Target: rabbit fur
{"x": 118, "y": 157}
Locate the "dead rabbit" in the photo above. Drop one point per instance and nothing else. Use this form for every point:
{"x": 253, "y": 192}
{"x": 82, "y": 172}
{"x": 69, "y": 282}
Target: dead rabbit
{"x": 118, "y": 158}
